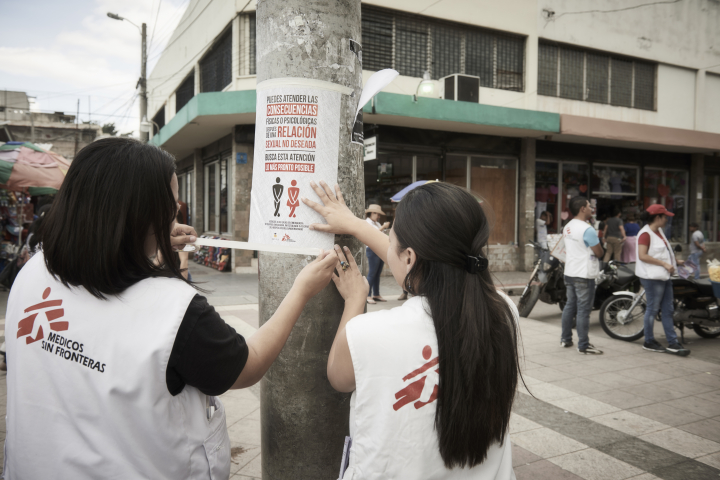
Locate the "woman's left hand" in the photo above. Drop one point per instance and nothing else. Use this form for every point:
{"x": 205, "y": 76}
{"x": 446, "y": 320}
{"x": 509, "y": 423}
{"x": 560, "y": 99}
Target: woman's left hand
{"x": 349, "y": 281}
{"x": 181, "y": 235}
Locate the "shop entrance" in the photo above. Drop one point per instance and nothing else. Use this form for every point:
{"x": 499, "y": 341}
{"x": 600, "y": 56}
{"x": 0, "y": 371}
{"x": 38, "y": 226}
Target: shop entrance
{"x": 616, "y": 188}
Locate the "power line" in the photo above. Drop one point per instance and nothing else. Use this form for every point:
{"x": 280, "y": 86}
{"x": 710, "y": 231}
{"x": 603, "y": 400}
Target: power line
{"x": 157, "y": 15}
{"x": 617, "y": 9}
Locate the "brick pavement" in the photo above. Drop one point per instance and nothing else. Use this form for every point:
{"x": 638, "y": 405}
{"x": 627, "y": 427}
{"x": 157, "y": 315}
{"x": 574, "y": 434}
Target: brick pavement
{"x": 628, "y": 414}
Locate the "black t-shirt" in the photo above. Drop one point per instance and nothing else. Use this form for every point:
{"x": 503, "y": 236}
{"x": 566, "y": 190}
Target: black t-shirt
{"x": 208, "y": 354}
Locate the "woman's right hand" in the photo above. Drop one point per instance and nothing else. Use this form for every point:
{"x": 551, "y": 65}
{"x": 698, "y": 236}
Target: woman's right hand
{"x": 316, "y": 275}
{"x": 340, "y": 220}
{"x": 350, "y": 283}
{"x": 669, "y": 268}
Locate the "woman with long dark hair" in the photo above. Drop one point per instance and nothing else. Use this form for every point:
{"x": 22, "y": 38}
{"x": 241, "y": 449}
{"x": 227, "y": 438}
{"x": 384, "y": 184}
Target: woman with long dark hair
{"x": 115, "y": 361}
{"x": 434, "y": 380}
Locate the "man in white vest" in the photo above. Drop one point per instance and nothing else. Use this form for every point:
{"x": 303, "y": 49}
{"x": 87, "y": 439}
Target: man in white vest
{"x": 582, "y": 250}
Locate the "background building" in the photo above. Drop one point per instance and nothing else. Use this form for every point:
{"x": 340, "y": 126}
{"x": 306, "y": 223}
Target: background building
{"x": 18, "y": 123}
{"x": 622, "y": 106}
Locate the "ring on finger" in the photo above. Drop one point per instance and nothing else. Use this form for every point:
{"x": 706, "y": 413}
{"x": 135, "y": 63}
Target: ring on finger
{"x": 344, "y": 265}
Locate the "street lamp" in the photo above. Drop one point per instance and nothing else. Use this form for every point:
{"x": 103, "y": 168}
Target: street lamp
{"x": 145, "y": 125}
{"x": 142, "y": 81}
{"x": 426, "y": 86}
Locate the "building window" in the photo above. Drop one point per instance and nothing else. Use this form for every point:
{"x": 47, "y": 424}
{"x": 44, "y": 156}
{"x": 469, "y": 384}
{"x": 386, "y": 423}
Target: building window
{"x": 216, "y": 67}
{"x": 555, "y": 184}
{"x": 216, "y": 196}
{"x": 669, "y": 188}
{"x": 253, "y": 45}
{"x": 709, "y": 224}
{"x": 412, "y": 44}
{"x": 185, "y": 92}
{"x": 578, "y": 74}
{"x": 159, "y": 120}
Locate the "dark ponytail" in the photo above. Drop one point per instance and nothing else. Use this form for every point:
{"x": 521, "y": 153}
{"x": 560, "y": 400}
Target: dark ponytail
{"x": 475, "y": 327}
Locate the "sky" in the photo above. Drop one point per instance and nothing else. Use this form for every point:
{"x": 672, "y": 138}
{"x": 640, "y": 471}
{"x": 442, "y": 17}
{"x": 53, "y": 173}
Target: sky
{"x": 63, "y": 51}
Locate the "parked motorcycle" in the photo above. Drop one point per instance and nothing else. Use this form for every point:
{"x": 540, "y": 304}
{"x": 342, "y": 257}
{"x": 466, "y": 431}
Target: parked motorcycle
{"x": 547, "y": 282}
{"x": 622, "y": 315}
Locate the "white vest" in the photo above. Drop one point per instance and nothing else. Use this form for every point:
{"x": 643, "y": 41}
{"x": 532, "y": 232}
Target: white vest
{"x": 580, "y": 261}
{"x": 87, "y": 396}
{"x": 391, "y": 425}
{"x": 657, "y": 249}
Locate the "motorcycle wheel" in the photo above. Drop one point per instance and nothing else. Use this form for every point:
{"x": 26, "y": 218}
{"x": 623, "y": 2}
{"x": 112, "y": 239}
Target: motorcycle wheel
{"x": 707, "y": 332}
{"x": 528, "y": 300}
{"x": 629, "y": 330}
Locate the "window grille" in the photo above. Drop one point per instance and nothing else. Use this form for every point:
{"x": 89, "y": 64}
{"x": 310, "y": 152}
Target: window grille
{"x": 216, "y": 67}
{"x": 159, "y": 120}
{"x": 590, "y": 76}
{"x": 252, "y": 57}
{"x": 185, "y": 92}
{"x": 413, "y": 44}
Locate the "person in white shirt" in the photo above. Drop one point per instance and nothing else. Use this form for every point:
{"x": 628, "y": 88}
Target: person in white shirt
{"x": 434, "y": 380}
{"x": 115, "y": 361}
{"x": 697, "y": 246}
{"x": 541, "y": 228}
{"x": 582, "y": 253}
{"x": 375, "y": 263}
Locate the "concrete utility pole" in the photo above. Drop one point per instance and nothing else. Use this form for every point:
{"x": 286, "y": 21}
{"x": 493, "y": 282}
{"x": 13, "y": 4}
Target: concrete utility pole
{"x": 142, "y": 81}
{"x": 304, "y": 421}
{"x": 144, "y": 136}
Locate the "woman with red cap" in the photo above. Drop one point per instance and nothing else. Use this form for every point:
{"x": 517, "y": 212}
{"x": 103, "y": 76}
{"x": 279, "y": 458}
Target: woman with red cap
{"x": 655, "y": 264}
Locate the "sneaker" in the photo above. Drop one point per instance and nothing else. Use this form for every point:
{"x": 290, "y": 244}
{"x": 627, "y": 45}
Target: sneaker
{"x": 566, "y": 343}
{"x": 653, "y": 346}
{"x": 590, "y": 350}
{"x": 678, "y": 349}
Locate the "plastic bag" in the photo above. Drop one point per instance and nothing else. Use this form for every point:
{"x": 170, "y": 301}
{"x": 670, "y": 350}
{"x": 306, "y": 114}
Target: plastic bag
{"x": 714, "y": 270}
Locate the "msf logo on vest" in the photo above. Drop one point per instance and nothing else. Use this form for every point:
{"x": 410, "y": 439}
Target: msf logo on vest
{"x": 44, "y": 316}
{"x": 421, "y": 391}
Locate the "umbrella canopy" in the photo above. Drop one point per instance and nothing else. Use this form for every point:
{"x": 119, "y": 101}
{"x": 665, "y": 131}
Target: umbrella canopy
{"x": 27, "y": 167}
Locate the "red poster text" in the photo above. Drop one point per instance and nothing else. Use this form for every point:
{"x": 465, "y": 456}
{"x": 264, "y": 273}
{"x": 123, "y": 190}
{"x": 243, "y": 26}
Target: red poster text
{"x": 290, "y": 167}
{"x": 305, "y": 109}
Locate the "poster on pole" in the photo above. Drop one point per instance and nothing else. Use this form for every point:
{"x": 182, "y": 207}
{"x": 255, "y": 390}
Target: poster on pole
{"x": 296, "y": 141}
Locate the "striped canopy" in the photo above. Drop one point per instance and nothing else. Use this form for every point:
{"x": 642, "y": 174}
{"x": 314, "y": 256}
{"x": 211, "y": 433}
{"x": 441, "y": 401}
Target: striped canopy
{"x": 25, "y": 167}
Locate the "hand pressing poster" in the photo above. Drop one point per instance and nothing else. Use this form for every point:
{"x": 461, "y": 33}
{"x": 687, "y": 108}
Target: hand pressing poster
{"x": 296, "y": 142}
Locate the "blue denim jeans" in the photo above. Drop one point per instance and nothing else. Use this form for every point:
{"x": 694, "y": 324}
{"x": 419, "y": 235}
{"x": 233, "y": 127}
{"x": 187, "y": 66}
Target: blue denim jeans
{"x": 375, "y": 266}
{"x": 695, "y": 258}
{"x": 580, "y": 296}
{"x": 659, "y": 296}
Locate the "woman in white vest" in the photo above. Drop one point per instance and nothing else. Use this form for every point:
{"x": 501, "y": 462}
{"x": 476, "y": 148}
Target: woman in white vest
{"x": 115, "y": 361}
{"x": 434, "y": 380}
{"x": 655, "y": 264}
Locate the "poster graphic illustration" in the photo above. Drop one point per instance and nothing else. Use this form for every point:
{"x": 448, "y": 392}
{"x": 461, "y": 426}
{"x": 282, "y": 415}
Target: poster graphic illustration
{"x": 296, "y": 141}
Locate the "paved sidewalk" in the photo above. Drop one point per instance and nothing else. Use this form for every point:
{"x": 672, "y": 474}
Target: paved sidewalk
{"x": 628, "y": 414}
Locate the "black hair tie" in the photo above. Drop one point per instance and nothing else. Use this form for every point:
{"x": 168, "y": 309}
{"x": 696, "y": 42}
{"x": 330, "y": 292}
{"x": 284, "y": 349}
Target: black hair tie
{"x": 476, "y": 264}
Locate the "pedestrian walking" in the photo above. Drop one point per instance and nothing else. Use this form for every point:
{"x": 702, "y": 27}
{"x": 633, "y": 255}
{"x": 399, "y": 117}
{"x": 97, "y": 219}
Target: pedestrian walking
{"x": 375, "y": 263}
{"x": 629, "y": 249}
{"x": 697, "y": 246}
{"x": 434, "y": 380}
{"x": 117, "y": 360}
{"x": 656, "y": 263}
{"x": 582, "y": 251}
{"x": 614, "y": 236}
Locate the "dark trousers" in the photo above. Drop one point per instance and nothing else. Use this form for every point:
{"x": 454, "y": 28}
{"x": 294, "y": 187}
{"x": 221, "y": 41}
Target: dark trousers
{"x": 375, "y": 266}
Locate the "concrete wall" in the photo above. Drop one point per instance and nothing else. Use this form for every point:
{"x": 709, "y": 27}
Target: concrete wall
{"x": 711, "y": 121}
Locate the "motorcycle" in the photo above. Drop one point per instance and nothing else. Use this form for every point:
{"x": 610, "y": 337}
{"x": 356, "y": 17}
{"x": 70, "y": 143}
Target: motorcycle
{"x": 622, "y": 315}
{"x": 547, "y": 282}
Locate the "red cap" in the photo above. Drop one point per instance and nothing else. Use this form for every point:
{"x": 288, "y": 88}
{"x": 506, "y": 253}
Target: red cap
{"x": 657, "y": 209}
